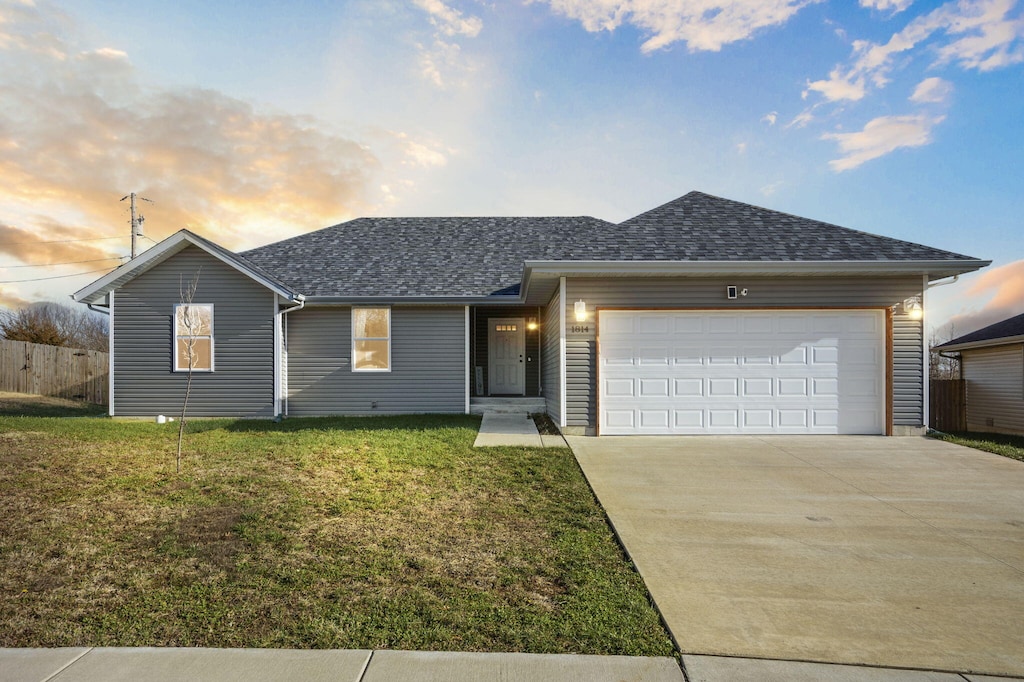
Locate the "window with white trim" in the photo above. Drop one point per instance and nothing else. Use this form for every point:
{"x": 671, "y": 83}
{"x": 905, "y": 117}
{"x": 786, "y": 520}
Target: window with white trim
{"x": 193, "y": 337}
{"x": 371, "y": 339}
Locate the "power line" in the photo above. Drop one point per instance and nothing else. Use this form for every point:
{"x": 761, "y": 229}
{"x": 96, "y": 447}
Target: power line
{"x": 59, "y": 241}
{"x": 40, "y": 279}
{"x": 50, "y": 265}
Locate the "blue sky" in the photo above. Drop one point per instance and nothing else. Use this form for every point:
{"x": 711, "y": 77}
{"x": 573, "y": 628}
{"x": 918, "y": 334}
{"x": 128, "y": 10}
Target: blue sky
{"x": 249, "y": 122}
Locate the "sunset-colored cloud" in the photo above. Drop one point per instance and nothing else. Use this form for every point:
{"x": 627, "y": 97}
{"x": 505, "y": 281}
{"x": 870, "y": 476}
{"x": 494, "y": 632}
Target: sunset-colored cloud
{"x": 78, "y": 131}
{"x": 1003, "y": 290}
{"x": 702, "y": 26}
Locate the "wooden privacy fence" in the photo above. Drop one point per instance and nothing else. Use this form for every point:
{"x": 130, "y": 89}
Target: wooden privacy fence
{"x": 948, "y": 407}
{"x": 54, "y": 371}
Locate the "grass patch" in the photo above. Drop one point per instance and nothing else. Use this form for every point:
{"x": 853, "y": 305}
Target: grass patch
{"x": 999, "y": 443}
{"x": 386, "y": 532}
{"x": 25, "y": 405}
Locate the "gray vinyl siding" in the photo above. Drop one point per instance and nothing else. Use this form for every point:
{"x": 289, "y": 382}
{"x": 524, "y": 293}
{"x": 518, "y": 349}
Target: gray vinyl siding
{"x": 995, "y": 388}
{"x": 481, "y": 315}
{"x": 551, "y": 375}
{"x": 762, "y": 292}
{"x": 907, "y": 372}
{"x": 242, "y": 384}
{"x": 428, "y": 363}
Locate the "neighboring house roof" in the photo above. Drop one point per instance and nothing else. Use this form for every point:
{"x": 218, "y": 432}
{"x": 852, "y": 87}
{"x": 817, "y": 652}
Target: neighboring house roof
{"x": 178, "y": 241}
{"x": 475, "y": 257}
{"x": 1008, "y": 331}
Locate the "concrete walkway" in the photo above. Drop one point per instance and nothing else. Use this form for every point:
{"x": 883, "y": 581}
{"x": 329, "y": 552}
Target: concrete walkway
{"x": 891, "y": 552}
{"x": 515, "y": 429}
{"x": 288, "y": 665}
{"x": 284, "y": 665}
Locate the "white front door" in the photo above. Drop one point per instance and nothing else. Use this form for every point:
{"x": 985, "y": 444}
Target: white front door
{"x": 506, "y": 346}
{"x": 743, "y": 372}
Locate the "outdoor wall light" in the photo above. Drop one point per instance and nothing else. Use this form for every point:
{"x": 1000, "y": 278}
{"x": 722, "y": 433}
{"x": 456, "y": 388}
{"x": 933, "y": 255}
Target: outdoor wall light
{"x": 531, "y": 324}
{"x": 580, "y": 308}
{"x": 912, "y": 306}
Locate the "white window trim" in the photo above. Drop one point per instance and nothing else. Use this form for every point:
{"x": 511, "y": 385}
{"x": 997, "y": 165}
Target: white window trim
{"x": 352, "y": 323}
{"x": 175, "y": 337}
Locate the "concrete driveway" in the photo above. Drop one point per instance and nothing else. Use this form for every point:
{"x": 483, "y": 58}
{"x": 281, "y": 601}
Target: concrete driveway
{"x": 903, "y": 552}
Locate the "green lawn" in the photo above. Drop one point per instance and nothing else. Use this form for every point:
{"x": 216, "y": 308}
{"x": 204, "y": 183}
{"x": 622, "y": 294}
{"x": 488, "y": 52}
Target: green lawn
{"x": 381, "y": 532}
{"x": 999, "y": 443}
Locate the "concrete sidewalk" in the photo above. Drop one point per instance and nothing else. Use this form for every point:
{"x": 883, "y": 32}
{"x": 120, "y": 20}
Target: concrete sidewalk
{"x": 515, "y": 429}
{"x": 280, "y": 665}
{"x": 286, "y": 665}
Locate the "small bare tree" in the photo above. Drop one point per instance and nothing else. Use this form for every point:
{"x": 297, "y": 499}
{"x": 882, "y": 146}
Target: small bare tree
{"x": 942, "y": 366}
{"x": 191, "y": 322}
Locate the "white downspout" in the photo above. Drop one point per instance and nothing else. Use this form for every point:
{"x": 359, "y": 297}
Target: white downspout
{"x": 281, "y": 350}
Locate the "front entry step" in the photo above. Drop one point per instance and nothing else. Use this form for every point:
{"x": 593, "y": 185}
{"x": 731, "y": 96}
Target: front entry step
{"x": 506, "y": 405}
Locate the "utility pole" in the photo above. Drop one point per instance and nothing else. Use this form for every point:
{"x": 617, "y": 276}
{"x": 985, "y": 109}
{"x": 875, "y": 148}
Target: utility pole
{"x": 137, "y": 220}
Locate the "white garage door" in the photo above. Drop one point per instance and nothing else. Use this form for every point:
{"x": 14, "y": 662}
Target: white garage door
{"x": 749, "y": 372}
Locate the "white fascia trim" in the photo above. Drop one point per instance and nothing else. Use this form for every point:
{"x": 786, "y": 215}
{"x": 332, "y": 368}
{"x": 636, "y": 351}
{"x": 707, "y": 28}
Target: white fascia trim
{"x": 561, "y": 353}
{"x": 712, "y": 268}
{"x": 110, "y": 357}
{"x": 467, "y": 359}
{"x": 986, "y": 343}
{"x": 165, "y": 249}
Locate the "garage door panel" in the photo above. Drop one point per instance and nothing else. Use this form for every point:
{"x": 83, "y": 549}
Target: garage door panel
{"x": 723, "y": 387}
{"x": 759, "y": 387}
{"x": 793, "y": 356}
{"x": 653, "y": 388}
{"x": 688, "y": 388}
{"x": 758, "y": 419}
{"x": 689, "y": 355}
{"x": 781, "y": 372}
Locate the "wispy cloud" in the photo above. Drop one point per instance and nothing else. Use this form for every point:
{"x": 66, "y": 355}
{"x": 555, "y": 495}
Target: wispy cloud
{"x": 442, "y": 61}
{"x": 879, "y": 137}
{"x": 894, "y": 6}
{"x": 975, "y": 34}
{"x": 707, "y": 25}
{"x": 932, "y": 91}
{"x": 450, "y": 21}
{"x": 770, "y": 118}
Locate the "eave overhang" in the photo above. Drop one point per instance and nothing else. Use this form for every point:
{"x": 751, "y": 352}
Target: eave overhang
{"x": 539, "y": 277}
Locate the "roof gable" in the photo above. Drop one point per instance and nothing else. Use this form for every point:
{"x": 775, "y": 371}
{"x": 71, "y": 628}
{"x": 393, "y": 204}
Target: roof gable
{"x": 167, "y": 248}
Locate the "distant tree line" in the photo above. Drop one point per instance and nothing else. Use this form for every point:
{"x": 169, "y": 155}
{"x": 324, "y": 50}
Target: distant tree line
{"x": 55, "y": 324}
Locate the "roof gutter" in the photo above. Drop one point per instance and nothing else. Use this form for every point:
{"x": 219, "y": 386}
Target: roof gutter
{"x": 983, "y": 343}
{"x": 569, "y": 268}
{"x": 316, "y": 301}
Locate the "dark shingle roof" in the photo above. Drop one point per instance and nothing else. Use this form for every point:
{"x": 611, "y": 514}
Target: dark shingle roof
{"x": 702, "y": 227}
{"x": 430, "y": 256}
{"x": 484, "y": 256}
{"x": 1010, "y": 327}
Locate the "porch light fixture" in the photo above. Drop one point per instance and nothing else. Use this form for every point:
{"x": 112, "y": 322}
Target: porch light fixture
{"x": 912, "y": 306}
{"x": 531, "y": 324}
{"x": 580, "y": 308}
